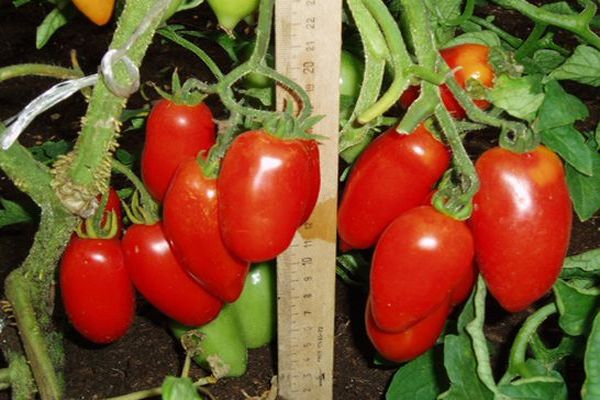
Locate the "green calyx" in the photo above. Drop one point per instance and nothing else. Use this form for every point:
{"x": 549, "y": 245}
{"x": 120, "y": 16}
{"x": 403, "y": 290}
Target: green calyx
{"x": 285, "y": 125}
{"x": 138, "y": 214}
{"x": 221, "y": 346}
{"x": 102, "y": 225}
{"x": 183, "y": 95}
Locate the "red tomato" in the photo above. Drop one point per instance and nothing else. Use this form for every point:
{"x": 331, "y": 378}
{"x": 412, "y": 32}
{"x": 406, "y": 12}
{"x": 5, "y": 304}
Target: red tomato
{"x": 418, "y": 261}
{"x": 395, "y": 173}
{"x": 264, "y": 187}
{"x": 96, "y": 289}
{"x": 521, "y": 223}
{"x": 173, "y": 133}
{"x": 160, "y": 278}
{"x": 464, "y": 287}
{"x": 191, "y": 226}
{"x": 472, "y": 59}
{"x": 410, "y": 343}
{"x": 314, "y": 177}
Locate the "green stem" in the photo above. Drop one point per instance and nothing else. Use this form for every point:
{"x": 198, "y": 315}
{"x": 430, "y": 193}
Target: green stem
{"x": 354, "y": 138}
{"x": 144, "y": 394}
{"x": 4, "y": 378}
{"x": 518, "y": 351}
{"x": 453, "y": 199}
{"x": 148, "y": 203}
{"x": 427, "y": 54}
{"x": 577, "y": 24}
{"x": 22, "y": 383}
{"x": 531, "y": 43}
{"x": 176, "y": 38}
{"x": 400, "y": 60}
{"x": 467, "y": 13}
{"x": 514, "y": 135}
{"x": 52, "y": 71}
{"x": 85, "y": 172}
{"x": 515, "y": 42}
{"x": 224, "y": 139}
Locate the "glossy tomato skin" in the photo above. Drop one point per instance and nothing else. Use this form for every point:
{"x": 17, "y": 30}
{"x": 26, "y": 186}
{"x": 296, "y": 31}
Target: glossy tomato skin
{"x": 191, "y": 226}
{"x": 395, "y": 173}
{"x": 173, "y": 133}
{"x": 314, "y": 177}
{"x": 263, "y": 189}
{"x": 464, "y": 287}
{"x": 160, "y": 278}
{"x": 96, "y": 289}
{"x": 473, "y": 61}
{"x": 410, "y": 343}
{"x": 417, "y": 263}
{"x": 521, "y": 223}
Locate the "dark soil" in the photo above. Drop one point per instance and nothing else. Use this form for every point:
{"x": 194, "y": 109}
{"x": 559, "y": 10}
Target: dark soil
{"x": 148, "y": 352}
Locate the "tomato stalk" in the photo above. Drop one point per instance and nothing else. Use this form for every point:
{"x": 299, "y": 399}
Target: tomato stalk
{"x": 354, "y": 137}
{"x": 531, "y": 43}
{"x": 400, "y": 61}
{"x": 85, "y": 172}
{"x": 147, "y": 202}
{"x": 52, "y": 71}
{"x": 455, "y": 199}
{"x": 578, "y": 24}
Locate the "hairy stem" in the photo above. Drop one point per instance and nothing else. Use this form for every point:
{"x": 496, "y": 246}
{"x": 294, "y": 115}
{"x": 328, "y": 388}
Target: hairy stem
{"x": 52, "y": 71}
{"x": 85, "y": 172}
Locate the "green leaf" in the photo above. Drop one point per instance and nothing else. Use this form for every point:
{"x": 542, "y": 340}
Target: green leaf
{"x": 488, "y": 38}
{"x": 264, "y": 95}
{"x": 585, "y": 189}
{"x": 125, "y": 157}
{"x": 591, "y": 361}
{"x": 583, "y": 67}
{"x": 577, "y": 307}
{"x": 536, "y": 388}
{"x": 461, "y": 365}
{"x": 561, "y": 7}
{"x": 417, "y": 379}
{"x": 440, "y": 13}
{"x": 559, "y": 108}
{"x": 57, "y": 18}
{"x": 49, "y": 151}
{"x": 520, "y": 97}
{"x": 13, "y": 213}
{"x": 546, "y": 60}
{"x": 19, "y": 3}
{"x": 570, "y": 144}
{"x": 586, "y": 264}
{"x": 179, "y": 389}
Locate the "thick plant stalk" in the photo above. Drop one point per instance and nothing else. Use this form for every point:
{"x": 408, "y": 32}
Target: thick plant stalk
{"x": 85, "y": 172}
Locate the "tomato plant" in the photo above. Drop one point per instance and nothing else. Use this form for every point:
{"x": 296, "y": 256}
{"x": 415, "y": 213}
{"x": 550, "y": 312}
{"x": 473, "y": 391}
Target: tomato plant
{"x": 471, "y": 61}
{"x": 264, "y": 186}
{"x": 351, "y": 71}
{"x": 521, "y": 224}
{"x": 96, "y": 290}
{"x": 173, "y": 133}
{"x": 191, "y": 226}
{"x": 160, "y": 278}
{"x": 395, "y": 173}
{"x": 418, "y": 262}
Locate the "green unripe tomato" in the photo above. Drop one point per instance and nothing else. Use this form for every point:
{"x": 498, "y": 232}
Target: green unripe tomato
{"x": 351, "y": 74}
{"x": 231, "y": 12}
{"x": 254, "y": 80}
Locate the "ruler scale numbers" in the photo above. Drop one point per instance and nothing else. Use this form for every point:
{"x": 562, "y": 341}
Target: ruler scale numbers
{"x": 308, "y": 43}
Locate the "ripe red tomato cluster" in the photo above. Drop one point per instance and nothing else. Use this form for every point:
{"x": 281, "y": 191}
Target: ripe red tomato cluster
{"x": 197, "y": 258}
{"x": 426, "y": 262}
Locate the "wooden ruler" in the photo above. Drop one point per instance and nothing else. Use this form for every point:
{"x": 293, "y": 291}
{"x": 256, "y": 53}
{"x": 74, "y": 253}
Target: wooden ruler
{"x": 308, "y": 43}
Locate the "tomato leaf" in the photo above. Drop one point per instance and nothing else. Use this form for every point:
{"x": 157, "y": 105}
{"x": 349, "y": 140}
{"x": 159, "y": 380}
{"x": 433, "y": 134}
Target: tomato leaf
{"x": 440, "y": 13}
{"x": 544, "y": 61}
{"x": 539, "y": 387}
{"x": 570, "y": 144}
{"x": 559, "y": 108}
{"x": 179, "y": 389}
{"x": 488, "y": 38}
{"x": 585, "y": 189}
{"x": 418, "y": 379}
{"x": 582, "y": 265}
{"x": 583, "y": 67}
{"x": 520, "y": 97}
{"x": 461, "y": 365}
{"x": 49, "y": 151}
{"x": 57, "y": 18}
{"x": 13, "y": 213}
{"x": 577, "y": 307}
{"x": 589, "y": 391}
